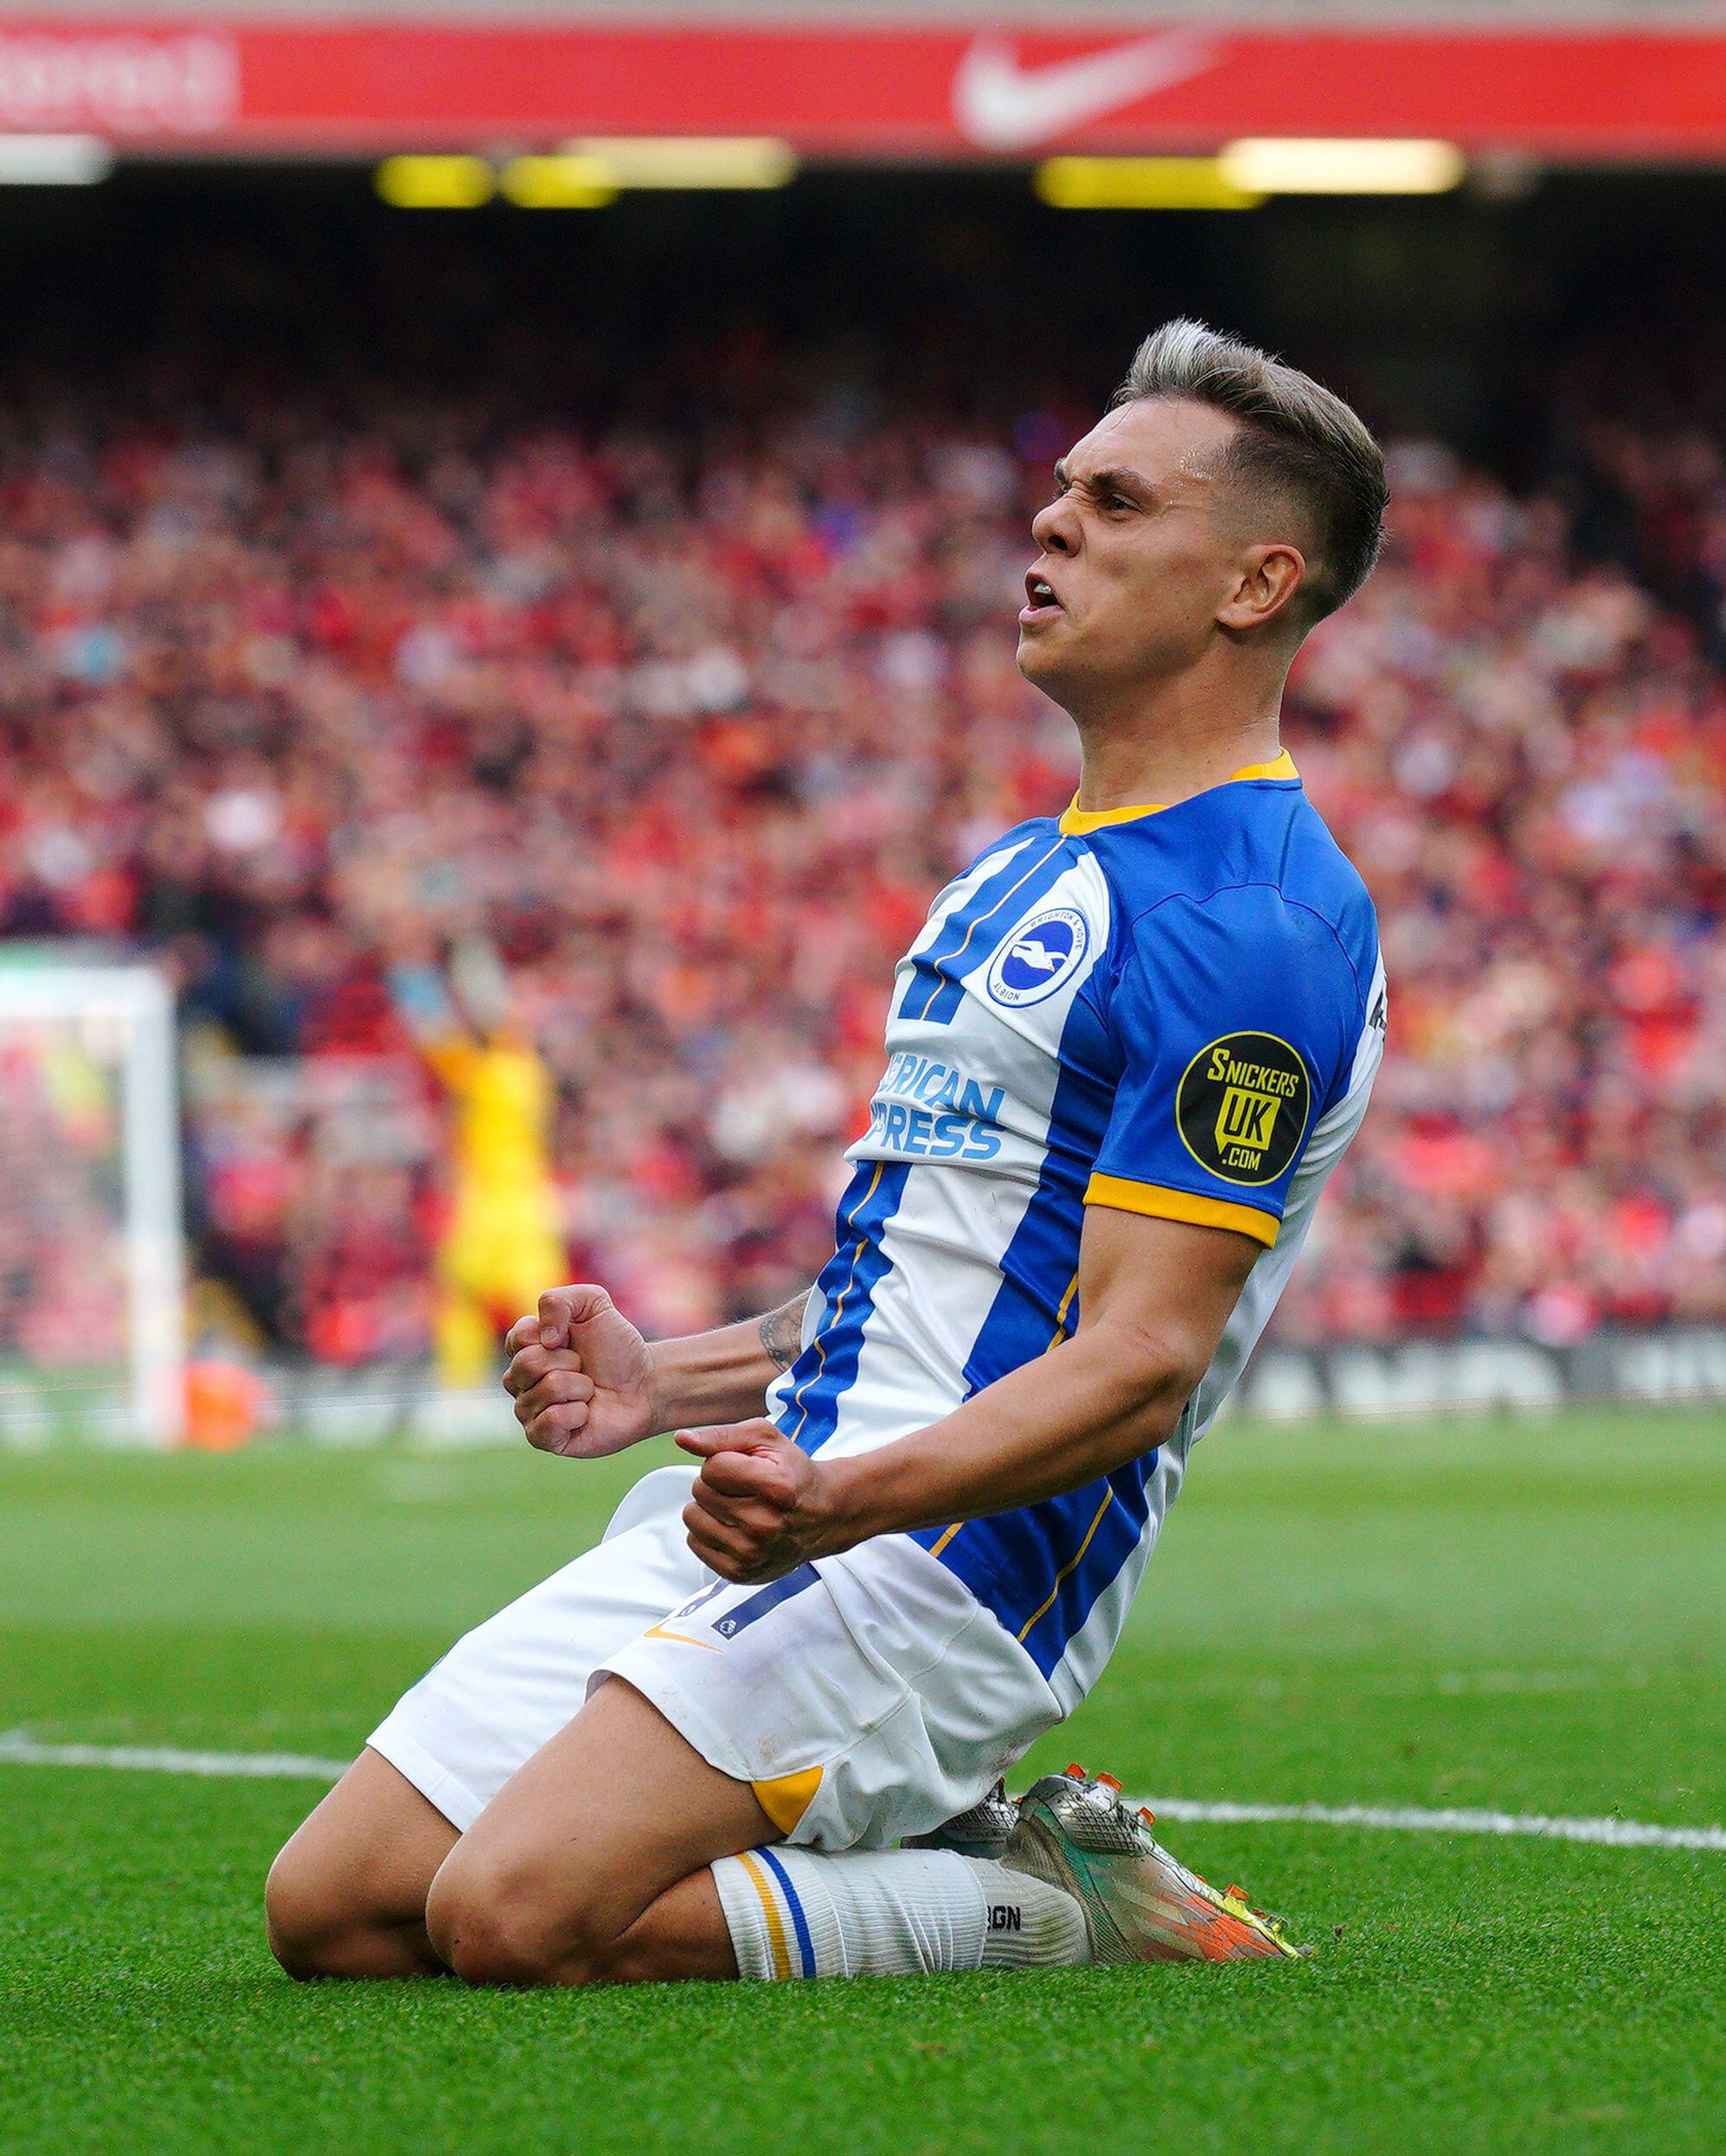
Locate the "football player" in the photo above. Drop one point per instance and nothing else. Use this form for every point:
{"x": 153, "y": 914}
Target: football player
{"x": 757, "y": 1731}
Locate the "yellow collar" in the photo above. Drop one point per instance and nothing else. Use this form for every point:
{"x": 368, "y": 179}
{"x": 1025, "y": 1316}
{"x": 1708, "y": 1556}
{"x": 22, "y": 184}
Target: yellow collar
{"x": 1078, "y": 820}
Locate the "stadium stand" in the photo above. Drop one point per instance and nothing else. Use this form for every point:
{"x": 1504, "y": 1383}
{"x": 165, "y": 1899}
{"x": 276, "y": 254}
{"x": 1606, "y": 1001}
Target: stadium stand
{"x": 690, "y": 720}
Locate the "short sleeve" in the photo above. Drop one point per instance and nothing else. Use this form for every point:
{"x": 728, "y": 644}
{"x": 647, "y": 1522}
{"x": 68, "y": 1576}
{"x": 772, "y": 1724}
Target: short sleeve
{"x": 1236, "y": 1018}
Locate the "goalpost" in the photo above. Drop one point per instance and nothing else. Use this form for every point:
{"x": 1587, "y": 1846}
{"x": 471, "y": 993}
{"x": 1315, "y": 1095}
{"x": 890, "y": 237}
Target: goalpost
{"x": 92, "y": 1236}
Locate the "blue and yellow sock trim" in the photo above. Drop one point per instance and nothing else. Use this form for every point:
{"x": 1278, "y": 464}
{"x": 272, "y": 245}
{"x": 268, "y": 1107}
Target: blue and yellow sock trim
{"x": 805, "y": 1947}
{"x": 776, "y": 1905}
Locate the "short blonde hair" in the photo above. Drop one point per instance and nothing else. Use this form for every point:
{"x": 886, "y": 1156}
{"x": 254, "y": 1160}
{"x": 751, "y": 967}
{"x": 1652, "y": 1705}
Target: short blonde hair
{"x": 1297, "y": 440}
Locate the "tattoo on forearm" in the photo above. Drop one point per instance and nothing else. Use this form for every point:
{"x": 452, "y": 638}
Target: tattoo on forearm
{"x": 781, "y": 1331}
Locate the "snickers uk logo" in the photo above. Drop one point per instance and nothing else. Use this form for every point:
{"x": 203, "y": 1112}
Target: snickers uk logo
{"x": 1242, "y": 1106}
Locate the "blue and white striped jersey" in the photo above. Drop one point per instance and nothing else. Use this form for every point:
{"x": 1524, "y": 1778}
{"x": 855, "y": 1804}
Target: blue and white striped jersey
{"x": 1179, "y": 1011}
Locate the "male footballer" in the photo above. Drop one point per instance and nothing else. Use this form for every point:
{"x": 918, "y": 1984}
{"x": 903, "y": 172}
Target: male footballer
{"x": 1124, "y": 1054}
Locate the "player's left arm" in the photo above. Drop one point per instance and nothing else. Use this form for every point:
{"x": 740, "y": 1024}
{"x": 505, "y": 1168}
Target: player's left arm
{"x": 1237, "y": 1014}
{"x": 1154, "y": 1296}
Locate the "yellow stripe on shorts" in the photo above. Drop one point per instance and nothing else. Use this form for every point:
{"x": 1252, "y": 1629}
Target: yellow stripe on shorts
{"x": 787, "y": 1797}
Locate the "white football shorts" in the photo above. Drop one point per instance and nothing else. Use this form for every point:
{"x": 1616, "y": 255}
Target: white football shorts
{"x": 865, "y": 1699}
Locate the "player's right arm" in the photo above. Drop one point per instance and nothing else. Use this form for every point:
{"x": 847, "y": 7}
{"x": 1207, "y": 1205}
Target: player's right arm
{"x": 587, "y": 1382}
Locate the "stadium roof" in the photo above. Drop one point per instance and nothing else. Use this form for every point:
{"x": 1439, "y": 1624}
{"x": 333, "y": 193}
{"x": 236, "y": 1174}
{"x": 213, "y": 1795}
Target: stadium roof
{"x": 845, "y": 14}
{"x": 1106, "y": 14}
{"x": 950, "y": 80}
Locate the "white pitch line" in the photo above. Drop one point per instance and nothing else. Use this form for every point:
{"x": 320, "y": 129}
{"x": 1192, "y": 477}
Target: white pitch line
{"x": 17, "y": 1750}
{"x": 1412, "y": 1819}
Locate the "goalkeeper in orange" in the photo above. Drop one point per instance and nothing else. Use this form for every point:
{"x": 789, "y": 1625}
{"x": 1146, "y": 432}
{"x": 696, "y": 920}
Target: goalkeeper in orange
{"x": 501, "y": 1243}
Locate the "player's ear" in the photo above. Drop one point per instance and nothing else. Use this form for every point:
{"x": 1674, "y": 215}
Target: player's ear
{"x": 1269, "y": 576}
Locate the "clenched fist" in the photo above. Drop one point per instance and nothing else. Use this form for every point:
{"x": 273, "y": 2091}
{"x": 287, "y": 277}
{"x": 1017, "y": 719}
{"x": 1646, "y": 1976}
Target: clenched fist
{"x": 759, "y": 1507}
{"x": 581, "y": 1375}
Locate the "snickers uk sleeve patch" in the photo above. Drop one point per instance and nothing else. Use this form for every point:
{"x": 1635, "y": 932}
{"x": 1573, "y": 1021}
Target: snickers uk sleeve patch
{"x": 1234, "y": 1017}
{"x": 1243, "y": 1107}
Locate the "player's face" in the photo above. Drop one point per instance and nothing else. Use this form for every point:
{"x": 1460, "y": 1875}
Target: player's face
{"x": 1138, "y": 550}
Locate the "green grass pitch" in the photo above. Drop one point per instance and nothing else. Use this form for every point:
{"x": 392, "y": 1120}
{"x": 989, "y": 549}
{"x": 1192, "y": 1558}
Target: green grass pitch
{"x": 1522, "y": 1615}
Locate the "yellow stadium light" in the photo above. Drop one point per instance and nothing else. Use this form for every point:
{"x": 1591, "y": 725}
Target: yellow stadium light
{"x": 435, "y": 182}
{"x": 1140, "y": 184}
{"x": 560, "y": 183}
{"x": 1294, "y": 165}
{"x": 691, "y": 161}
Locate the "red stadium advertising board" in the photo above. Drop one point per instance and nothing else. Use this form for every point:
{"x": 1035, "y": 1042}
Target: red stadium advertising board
{"x": 210, "y": 86}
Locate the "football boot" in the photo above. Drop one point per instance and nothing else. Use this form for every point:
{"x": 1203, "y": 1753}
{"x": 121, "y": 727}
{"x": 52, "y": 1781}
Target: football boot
{"x": 1140, "y": 1903}
{"x": 981, "y": 1832}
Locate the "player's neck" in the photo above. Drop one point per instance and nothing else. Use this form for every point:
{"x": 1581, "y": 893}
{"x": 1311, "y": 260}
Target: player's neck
{"x": 1180, "y": 739}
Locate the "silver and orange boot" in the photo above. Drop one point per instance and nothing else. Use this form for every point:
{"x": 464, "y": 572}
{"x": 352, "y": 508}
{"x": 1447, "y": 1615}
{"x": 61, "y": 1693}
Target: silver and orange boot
{"x": 1140, "y": 1904}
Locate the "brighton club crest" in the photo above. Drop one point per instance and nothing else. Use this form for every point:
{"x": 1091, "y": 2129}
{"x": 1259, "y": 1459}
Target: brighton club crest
{"x": 1041, "y": 955}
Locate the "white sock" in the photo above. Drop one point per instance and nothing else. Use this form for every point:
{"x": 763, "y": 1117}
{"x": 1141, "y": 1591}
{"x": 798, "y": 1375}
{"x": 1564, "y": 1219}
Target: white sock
{"x": 891, "y": 1912}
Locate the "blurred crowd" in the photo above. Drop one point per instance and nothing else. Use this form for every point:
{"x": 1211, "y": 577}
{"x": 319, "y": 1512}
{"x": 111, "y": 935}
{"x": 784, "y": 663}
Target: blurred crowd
{"x": 689, "y": 721}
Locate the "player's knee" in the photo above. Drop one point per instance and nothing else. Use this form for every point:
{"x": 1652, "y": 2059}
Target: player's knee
{"x": 495, "y": 1922}
{"x": 316, "y": 1928}
{"x": 310, "y": 1934}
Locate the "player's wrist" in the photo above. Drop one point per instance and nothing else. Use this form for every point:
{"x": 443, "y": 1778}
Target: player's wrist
{"x": 847, "y": 1504}
{"x": 719, "y": 1376}
{"x": 668, "y": 1407}
{"x": 688, "y": 1386}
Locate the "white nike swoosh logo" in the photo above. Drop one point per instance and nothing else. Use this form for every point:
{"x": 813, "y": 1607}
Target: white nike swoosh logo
{"x": 1001, "y": 105}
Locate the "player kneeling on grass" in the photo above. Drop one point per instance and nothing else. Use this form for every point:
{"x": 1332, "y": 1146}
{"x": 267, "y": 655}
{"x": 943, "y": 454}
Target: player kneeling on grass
{"x": 1124, "y": 1055}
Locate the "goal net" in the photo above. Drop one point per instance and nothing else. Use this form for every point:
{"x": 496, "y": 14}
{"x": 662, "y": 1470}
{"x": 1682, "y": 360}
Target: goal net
{"x": 91, "y": 1258}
